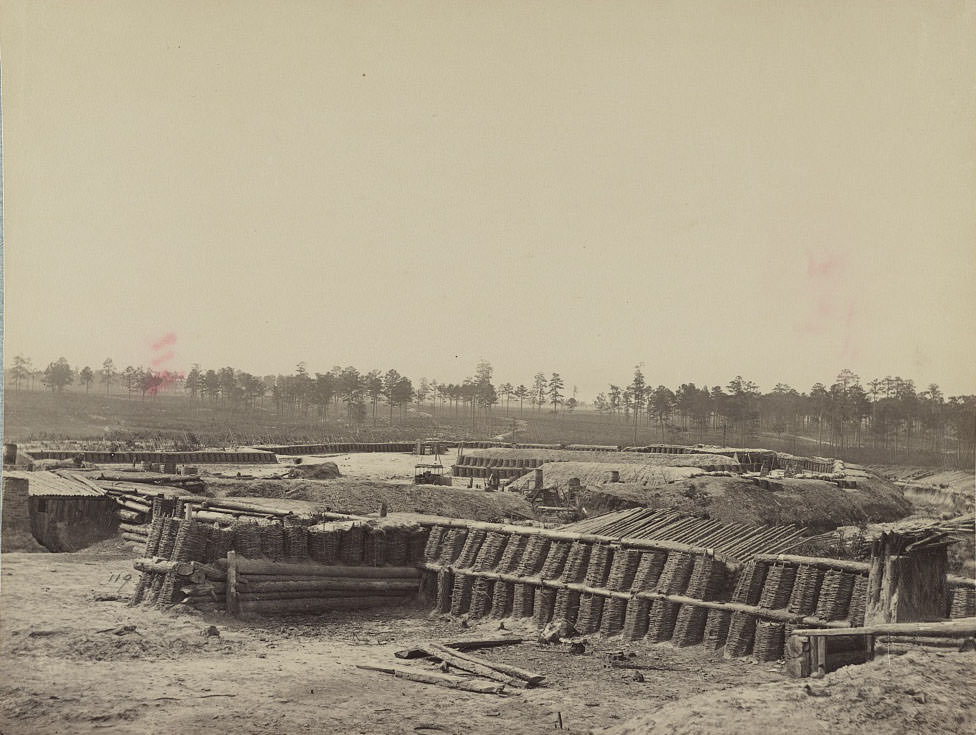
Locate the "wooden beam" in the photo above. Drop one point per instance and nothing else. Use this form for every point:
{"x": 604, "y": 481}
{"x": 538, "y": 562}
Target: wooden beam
{"x": 530, "y": 678}
{"x": 426, "y": 677}
{"x": 855, "y": 567}
{"x": 261, "y": 566}
{"x": 961, "y": 627}
{"x": 477, "y": 644}
{"x": 453, "y": 658}
{"x": 348, "y": 584}
{"x": 320, "y": 604}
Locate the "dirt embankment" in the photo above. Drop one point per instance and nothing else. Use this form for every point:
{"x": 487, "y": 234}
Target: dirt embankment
{"x": 919, "y": 692}
{"x": 935, "y": 490}
{"x": 362, "y": 497}
{"x": 817, "y": 504}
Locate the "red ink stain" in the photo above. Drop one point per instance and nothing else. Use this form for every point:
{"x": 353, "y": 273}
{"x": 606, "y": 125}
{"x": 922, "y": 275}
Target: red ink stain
{"x": 163, "y": 359}
{"x": 825, "y": 266}
{"x": 167, "y": 339}
{"x": 164, "y": 378}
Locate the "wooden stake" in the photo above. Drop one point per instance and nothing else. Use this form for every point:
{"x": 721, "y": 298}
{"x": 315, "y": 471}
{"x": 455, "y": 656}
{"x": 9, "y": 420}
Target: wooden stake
{"x": 233, "y": 606}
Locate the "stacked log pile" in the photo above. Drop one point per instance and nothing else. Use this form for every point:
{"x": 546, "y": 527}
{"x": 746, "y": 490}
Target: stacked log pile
{"x": 269, "y": 567}
{"x": 135, "y": 512}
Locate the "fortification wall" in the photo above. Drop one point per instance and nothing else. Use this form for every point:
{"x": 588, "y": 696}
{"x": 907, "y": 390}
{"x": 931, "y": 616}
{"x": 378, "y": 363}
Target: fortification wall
{"x": 658, "y": 591}
{"x": 258, "y": 457}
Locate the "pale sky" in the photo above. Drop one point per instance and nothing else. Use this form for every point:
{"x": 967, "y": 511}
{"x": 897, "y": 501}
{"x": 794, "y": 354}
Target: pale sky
{"x": 773, "y": 189}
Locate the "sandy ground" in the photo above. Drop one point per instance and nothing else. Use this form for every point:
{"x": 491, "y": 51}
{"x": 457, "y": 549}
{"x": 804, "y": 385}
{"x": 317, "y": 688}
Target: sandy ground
{"x": 361, "y": 465}
{"x": 923, "y": 691}
{"x": 64, "y": 668}
{"x": 68, "y": 664}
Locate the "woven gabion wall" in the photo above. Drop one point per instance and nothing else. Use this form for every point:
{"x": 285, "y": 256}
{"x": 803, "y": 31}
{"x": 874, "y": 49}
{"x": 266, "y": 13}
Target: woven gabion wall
{"x": 526, "y": 571}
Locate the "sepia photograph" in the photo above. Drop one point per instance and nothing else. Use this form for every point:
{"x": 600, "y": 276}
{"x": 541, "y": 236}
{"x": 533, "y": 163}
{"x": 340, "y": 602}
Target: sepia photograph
{"x": 423, "y": 367}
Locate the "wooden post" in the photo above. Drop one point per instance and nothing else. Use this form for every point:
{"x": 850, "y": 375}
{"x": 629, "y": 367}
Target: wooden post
{"x": 820, "y": 645}
{"x": 904, "y": 584}
{"x": 232, "y": 602}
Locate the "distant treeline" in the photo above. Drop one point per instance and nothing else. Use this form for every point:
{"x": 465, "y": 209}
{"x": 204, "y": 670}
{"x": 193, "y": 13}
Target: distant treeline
{"x": 887, "y": 414}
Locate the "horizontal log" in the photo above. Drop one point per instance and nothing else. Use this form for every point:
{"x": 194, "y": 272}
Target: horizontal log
{"x": 956, "y": 581}
{"x": 451, "y": 658}
{"x": 530, "y": 678}
{"x": 136, "y": 538}
{"x": 152, "y": 566}
{"x": 585, "y": 590}
{"x": 290, "y": 578}
{"x": 262, "y": 566}
{"x": 961, "y": 627}
{"x": 135, "y": 528}
{"x": 203, "y": 588}
{"x": 323, "y": 594}
{"x": 209, "y": 516}
{"x": 246, "y": 584}
{"x": 922, "y": 640}
{"x": 855, "y": 567}
{"x": 781, "y": 615}
{"x": 227, "y": 505}
{"x": 215, "y": 594}
{"x": 478, "y": 644}
{"x": 204, "y": 572}
{"x": 427, "y": 677}
{"x": 130, "y": 516}
{"x": 269, "y": 607}
{"x": 232, "y": 507}
{"x": 181, "y": 568}
{"x": 132, "y": 505}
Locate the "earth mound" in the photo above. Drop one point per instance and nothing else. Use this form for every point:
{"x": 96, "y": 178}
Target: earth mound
{"x": 319, "y": 471}
{"x": 362, "y": 497}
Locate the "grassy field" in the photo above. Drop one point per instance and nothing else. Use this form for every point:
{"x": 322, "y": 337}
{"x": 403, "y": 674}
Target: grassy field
{"x": 35, "y": 416}
{"x": 175, "y": 420}
{"x": 42, "y": 415}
